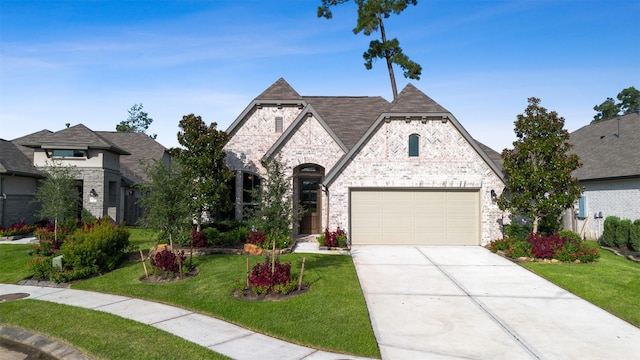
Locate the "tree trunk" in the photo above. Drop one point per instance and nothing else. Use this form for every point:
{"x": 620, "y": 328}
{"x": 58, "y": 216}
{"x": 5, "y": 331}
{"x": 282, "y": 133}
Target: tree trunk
{"x": 536, "y": 220}
{"x": 387, "y": 56}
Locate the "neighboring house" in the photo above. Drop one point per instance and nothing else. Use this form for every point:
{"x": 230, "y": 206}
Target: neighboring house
{"x": 18, "y": 181}
{"x": 108, "y": 163}
{"x": 404, "y": 172}
{"x": 610, "y": 174}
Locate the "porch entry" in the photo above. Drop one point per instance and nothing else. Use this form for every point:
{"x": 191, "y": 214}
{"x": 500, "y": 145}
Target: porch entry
{"x": 308, "y": 178}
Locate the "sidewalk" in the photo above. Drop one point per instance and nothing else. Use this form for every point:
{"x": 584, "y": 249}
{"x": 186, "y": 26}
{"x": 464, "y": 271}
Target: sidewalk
{"x": 217, "y": 335}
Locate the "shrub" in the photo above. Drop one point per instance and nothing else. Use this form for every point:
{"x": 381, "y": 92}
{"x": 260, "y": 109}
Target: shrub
{"x": 512, "y": 246}
{"x": 213, "y": 237}
{"x": 166, "y": 263}
{"x": 544, "y": 247}
{"x": 518, "y": 231}
{"x": 19, "y": 228}
{"x": 575, "y": 250}
{"x": 571, "y": 235}
{"x": 261, "y": 279}
{"x": 611, "y": 223}
{"x": 634, "y": 236}
{"x": 622, "y": 233}
{"x": 41, "y": 267}
{"x": 198, "y": 238}
{"x": 336, "y": 238}
{"x": 95, "y": 248}
{"x": 256, "y": 237}
{"x": 235, "y": 236}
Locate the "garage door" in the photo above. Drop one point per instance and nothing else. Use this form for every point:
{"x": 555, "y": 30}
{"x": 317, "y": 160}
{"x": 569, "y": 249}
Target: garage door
{"x": 415, "y": 217}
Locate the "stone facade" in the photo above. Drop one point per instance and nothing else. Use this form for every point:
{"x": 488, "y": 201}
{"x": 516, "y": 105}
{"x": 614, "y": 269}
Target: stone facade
{"x": 611, "y": 197}
{"x": 363, "y": 147}
{"x": 446, "y": 161}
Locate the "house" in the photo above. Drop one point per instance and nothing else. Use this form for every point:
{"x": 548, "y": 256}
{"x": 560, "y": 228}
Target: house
{"x": 610, "y": 174}
{"x": 109, "y": 165}
{"x": 401, "y": 172}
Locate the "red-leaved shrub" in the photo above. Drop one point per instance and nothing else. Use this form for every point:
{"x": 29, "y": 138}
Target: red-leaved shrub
{"x": 198, "y": 239}
{"x": 166, "y": 261}
{"x": 261, "y": 275}
{"x": 256, "y": 237}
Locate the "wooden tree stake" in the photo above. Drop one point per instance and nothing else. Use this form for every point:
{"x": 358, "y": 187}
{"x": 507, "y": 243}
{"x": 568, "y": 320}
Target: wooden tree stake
{"x": 146, "y": 273}
{"x": 247, "y": 272}
{"x": 301, "y": 273}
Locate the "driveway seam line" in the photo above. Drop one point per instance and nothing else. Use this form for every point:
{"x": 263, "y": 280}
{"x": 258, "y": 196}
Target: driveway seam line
{"x": 512, "y": 332}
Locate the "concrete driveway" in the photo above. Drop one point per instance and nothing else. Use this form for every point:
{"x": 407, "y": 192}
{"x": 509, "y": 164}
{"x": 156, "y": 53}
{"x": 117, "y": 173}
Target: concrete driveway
{"x": 468, "y": 303}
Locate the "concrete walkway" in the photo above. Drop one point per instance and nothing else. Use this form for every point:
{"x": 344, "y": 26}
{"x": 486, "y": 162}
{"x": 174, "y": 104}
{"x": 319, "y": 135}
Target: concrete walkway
{"x": 224, "y": 338}
{"x": 468, "y": 303}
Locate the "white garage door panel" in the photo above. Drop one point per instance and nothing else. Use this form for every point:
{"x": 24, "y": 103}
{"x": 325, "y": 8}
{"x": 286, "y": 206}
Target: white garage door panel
{"x": 415, "y": 217}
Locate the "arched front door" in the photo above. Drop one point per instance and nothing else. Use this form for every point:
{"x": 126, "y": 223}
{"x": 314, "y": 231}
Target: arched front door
{"x": 308, "y": 180}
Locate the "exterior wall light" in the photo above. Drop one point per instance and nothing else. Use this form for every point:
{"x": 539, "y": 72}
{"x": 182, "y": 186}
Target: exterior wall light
{"x": 93, "y": 193}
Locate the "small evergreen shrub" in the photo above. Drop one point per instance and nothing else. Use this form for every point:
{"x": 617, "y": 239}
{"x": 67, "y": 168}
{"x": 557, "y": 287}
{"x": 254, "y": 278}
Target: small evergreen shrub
{"x": 512, "y": 246}
{"x": 634, "y": 236}
{"x": 622, "y": 233}
{"x": 571, "y": 235}
{"x": 213, "y": 237}
{"x": 513, "y": 230}
{"x": 95, "y": 248}
{"x": 608, "y": 238}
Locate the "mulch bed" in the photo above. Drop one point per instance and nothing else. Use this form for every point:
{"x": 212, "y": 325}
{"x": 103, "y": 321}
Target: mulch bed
{"x": 247, "y": 294}
{"x": 626, "y": 253}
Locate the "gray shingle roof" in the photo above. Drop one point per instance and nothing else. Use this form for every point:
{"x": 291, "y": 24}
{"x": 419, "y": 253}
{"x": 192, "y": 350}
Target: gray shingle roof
{"x": 14, "y": 162}
{"x": 412, "y": 100}
{"x": 280, "y": 90}
{"x": 348, "y": 117}
{"x": 75, "y": 137}
{"x": 603, "y": 153}
{"x": 31, "y": 139}
{"x": 142, "y": 148}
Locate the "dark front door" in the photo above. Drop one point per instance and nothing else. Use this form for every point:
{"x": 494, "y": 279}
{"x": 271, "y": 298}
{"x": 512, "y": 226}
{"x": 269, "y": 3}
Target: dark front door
{"x": 310, "y": 202}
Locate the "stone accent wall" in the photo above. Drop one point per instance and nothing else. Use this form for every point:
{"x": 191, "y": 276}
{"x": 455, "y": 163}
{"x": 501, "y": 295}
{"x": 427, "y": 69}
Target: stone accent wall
{"x": 612, "y": 197}
{"x": 310, "y": 144}
{"x": 256, "y": 135}
{"x": 446, "y": 161}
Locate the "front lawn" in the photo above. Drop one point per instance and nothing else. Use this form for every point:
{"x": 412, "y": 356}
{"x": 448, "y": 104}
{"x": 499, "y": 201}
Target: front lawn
{"x": 331, "y": 316}
{"x": 109, "y": 337}
{"x": 14, "y": 260}
{"x": 610, "y": 283}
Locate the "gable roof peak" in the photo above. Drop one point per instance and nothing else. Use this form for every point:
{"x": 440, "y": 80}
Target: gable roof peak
{"x": 279, "y": 90}
{"x": 412, "y": 100}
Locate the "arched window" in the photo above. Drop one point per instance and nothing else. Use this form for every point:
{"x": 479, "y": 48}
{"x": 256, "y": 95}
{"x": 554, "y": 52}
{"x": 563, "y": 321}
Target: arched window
{"x": 414, "y": 145}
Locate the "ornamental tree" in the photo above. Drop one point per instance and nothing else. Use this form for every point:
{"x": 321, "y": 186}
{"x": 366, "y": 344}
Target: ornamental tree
{"x": 57, "y": 193}
{"x": 538, "y": 169}
{"x": 370, "y": 18}
{"x": 203, "y": 167}
{"x": 165, "y": 201}
{"x": 275, "y": 213}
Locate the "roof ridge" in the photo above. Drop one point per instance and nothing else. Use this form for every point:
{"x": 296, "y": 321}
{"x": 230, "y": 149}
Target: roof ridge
{"x": 279, "y": 90}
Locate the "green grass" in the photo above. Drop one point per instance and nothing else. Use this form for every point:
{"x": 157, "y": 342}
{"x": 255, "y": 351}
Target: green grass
{"x": 610, "y": 283}
{"x": 108, "y": 337}
{"x": 13, "y": 262}
{"x": 331, "y": 316}
{"x": 142, "y": 238}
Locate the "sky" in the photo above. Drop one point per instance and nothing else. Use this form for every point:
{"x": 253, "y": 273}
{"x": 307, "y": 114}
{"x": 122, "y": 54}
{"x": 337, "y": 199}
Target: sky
{"x": 89, "y": 61}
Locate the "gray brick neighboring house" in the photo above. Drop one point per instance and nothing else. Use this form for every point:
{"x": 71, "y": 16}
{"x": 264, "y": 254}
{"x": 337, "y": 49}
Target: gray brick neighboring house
{"x": 401, "y": 172}
{"x": 109, "y": 166}
{"x": 610, "y": 174}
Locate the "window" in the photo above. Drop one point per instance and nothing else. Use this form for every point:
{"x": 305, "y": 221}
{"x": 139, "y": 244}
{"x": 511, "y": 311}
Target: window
{"x": 278, "y": 124}
{"x": 250, "y": 182}
{"x": 68, "y": 153}
{"x": 414, "y": 145}
{"x": 113, "y": 194}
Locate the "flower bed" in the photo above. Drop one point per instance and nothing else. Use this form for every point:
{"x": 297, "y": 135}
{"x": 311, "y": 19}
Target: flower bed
{"x": 563, "y": 247}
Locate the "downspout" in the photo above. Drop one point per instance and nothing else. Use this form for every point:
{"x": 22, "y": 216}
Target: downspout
{"x": 325, "y": 190}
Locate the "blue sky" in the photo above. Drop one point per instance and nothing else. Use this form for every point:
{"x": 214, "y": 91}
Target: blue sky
{"x": 90, "y": 61}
